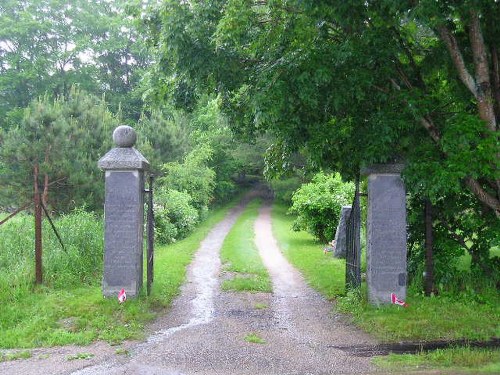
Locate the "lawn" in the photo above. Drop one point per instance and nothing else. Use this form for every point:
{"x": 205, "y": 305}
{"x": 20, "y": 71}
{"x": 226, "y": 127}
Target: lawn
{"x": 47, "y": 316}
{"x": 426, "y": 318}
{"x": 240, "y": 257}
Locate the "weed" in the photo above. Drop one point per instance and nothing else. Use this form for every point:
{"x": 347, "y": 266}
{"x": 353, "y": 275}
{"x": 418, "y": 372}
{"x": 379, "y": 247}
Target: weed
{"x": 80, "y": 356}
{"x": 254, "y": 339}
{"x": 61, "y": 314}
{"x": 15, "y": 355}
{"x": 122, "y": 351}
{"x": 248, "y": 283}
{"x": 260, "y": 306}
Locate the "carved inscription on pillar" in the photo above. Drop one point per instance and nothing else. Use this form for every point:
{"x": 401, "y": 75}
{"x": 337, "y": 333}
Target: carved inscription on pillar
{"x": 123, "y": 232}
{"x": 386, "y": 237}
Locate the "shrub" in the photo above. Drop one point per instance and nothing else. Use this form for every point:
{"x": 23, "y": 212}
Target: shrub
{"x": 193, "y": 177}
{"x": 283, "y": 188}
{"x": 175, "y": 217}
{"x": 317, "y": 205}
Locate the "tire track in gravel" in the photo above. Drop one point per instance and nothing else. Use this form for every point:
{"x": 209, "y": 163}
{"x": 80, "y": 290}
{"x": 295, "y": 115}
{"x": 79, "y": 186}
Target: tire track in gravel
{"x": 204, "y": 331}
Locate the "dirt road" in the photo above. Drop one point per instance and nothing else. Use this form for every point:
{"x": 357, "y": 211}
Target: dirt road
{"x": 205, "y": 330}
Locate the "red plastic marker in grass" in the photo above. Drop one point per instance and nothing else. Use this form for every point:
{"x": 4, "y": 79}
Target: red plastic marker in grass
{"x": 122, "y": 296}
{"x": 397, "y": 301}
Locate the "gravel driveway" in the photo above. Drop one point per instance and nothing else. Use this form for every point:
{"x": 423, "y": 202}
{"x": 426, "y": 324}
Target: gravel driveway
{"x": 204, "y": 331}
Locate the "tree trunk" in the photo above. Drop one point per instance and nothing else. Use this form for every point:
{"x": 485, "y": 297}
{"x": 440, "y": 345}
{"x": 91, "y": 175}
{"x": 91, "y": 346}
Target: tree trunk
{"x": 45, "y": 195}
{"x": 480, "y": 87}
{"x": 38, "y": 228}
{"x": 496, "y": 80}
{"x": 429, "y": 253}
{"x": 483, "y": 86}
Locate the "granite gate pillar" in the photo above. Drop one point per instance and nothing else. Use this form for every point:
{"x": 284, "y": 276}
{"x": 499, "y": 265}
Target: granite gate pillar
{"x": 124, "y": 168}
{"x": 386, "y": 233}
{"x": 341, "y": 233}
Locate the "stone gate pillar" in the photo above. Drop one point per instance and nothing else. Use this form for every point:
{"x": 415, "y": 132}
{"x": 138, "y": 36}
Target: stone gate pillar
{"x": 386, "y": 233}
{"x": 124, "y": 168}
{"x": 341, "y": 233}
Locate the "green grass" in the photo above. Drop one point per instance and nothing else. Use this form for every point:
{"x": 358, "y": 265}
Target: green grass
{"x": 261, "y": 306}
{"x": 322, "y": 271}
{"x": 79, "y": 315}
{"x": 427, "y": 318}
{"x": 240, "y": 256}
{"x": 436, "y": 318}
{"x": 452, "y": 361}
{"x": 23, "y": 354}
{"x": 474, "y": 317}
{"x": 80, "y": 356}
{"x": 254, "y": 339}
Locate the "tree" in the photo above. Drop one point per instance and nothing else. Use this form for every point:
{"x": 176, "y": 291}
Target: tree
{"x": 163, "y": 137}
{"x": 318, "y": 203}
{"x": 193, "y": 177}
{"x": 47, "y": 46}
{"x": 353, "y": 83}
{"x": 64, "y": 138}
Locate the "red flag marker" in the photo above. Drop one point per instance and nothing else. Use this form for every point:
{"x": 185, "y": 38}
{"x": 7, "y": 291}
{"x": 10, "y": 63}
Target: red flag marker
{"x": 122, "y": 296}
{"x": 397, "y": 301}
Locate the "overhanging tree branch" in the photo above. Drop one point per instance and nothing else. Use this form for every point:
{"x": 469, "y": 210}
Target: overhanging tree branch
{"x": 457, "y": 58}
{"x": 484, "y": 97}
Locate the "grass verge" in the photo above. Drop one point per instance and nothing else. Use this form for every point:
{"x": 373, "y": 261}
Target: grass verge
{"x": 80, "y": 315}
{"x": 426, "y": 319}
{"x": 13, "y": 356}
{"x": 240, "y": 256}
{"x": 450, "y": 361}
{"x": 322, "y": 271}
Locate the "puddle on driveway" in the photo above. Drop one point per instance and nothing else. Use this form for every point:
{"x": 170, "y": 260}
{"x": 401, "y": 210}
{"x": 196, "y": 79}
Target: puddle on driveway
{"x": 203, "y": 278}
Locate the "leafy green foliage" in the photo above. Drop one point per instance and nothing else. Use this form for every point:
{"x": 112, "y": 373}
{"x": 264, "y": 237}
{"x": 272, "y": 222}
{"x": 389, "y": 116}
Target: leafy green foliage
{"x": 317, "y": 205}
{"x": 163, "y": 137}
{"x": 79, "y": 315}
{"x": 175, "y": 217}
{"x": 47, "y": 46}
{"x": 349, "y": 84}
{"x": 193, "y": 177}
{"x": 65, "y": 137}
{"x": 284, "y": 188}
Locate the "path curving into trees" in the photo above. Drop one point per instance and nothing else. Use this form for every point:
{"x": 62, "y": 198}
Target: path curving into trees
{"x": 204, "y": 331}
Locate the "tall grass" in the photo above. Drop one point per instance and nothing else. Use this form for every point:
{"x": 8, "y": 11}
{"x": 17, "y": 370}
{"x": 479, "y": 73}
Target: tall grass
{"x": 69, "y": 308}
{"x": 464, "y": 316}
{"x": 322, "y": 271}
{"x": 80, "y": 263}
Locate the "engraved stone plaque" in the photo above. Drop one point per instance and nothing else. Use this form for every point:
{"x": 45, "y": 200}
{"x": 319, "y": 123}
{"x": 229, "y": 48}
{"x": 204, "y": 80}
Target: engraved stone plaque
{"x": 123, "y": 217}
{"x": 386, "y": 237}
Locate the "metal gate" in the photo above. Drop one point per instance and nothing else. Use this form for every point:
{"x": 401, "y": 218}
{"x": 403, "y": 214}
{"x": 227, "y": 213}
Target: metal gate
{"x": 353, "y": 246}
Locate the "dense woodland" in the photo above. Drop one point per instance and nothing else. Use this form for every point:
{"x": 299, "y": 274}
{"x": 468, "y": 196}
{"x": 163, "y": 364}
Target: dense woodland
{"x": 292, "y": 90}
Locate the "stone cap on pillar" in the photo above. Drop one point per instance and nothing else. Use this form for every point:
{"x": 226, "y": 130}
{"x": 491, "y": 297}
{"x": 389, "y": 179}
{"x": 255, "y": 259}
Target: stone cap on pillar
{"x": 124, "y": 156}
{"x": 394, "y": 168}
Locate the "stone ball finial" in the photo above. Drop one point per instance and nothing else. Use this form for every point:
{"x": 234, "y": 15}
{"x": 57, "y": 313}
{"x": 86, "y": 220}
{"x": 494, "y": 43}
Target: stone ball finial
{"x": 124, "y": 136}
